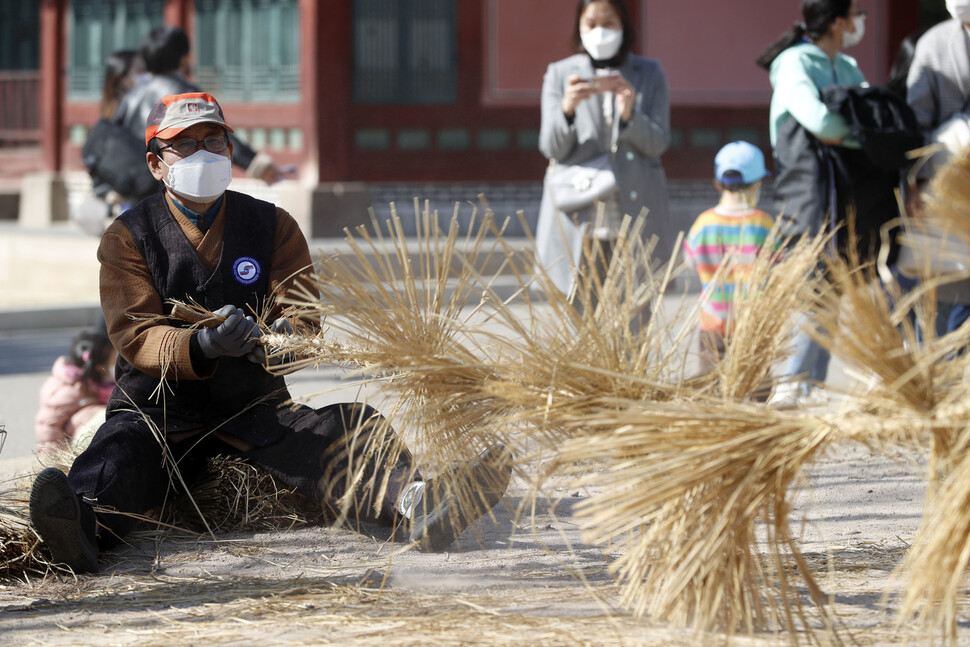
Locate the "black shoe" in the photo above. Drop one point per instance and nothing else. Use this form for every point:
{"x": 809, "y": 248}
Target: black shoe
{"x": 65, "y": 524}
{"x": 451, "y": 502}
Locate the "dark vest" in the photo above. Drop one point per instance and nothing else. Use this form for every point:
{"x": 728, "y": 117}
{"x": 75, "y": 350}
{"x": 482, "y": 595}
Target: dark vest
{"x": 180, "y": 274}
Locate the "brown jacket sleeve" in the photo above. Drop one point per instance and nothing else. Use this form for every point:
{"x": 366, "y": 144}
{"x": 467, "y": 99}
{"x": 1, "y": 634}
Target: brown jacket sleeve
{"x": 127, "y": 288}
{"x": 291, "y": 264}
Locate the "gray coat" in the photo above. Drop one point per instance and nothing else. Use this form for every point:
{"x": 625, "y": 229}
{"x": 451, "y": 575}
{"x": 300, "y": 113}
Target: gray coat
{"x": 938, "y": 88}
{"x": 636, "y": 156}
{"x": 938, "y": 84}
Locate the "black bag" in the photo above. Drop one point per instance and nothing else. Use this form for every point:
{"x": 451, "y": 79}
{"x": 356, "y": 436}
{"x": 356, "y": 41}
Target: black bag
{"x": 880, "y": 120}
{"x": 115, "y": 157}
{"x": 842, "y": 188}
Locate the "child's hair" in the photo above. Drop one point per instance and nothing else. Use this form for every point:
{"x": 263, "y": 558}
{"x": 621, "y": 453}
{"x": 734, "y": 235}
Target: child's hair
{"x": 734, "y": 187}
{"x": 90, "y": 350}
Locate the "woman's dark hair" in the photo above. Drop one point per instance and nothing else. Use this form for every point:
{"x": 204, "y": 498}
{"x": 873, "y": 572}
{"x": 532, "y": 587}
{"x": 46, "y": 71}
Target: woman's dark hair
{"x": 629, "y": 33}
{"x": 901, "y": 64}
{"x": 119, "y": 70}
{"x": 90, "y": 349}
{"x": 163, "y": 47}
{"x": 818, "y": 16}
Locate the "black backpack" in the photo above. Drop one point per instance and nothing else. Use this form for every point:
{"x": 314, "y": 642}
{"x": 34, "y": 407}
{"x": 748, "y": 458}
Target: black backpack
{"x": 114, "y": 156}
{"x": 880, "y": 120}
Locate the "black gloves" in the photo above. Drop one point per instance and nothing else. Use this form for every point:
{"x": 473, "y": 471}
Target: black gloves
{"x": 234, "y": 337}
{"x": 258, "y": 354}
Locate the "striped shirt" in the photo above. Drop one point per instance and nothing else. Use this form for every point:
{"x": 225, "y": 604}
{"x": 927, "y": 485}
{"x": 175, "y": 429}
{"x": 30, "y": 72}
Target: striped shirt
{"x": 719, "y": 234}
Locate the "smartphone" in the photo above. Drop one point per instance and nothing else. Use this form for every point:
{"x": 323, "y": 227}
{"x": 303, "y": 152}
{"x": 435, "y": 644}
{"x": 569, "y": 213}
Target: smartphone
{"x": 605, "y": 81}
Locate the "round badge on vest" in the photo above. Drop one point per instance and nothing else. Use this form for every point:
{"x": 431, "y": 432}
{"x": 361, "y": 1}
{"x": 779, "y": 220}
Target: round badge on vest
{"x": 246, "y": 270}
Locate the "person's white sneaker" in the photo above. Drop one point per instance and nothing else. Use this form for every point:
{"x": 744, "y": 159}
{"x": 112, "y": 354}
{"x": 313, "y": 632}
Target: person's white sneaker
{"x": 815, "y": 398}
{"x": 785, "y": 396}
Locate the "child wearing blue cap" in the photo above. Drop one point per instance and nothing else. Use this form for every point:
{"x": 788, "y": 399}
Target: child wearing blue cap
{"x": 733, "y": 231}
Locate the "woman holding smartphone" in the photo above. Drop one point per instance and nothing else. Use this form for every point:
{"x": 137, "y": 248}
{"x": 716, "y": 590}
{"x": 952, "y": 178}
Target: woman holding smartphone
{"x": 603, "y": 100}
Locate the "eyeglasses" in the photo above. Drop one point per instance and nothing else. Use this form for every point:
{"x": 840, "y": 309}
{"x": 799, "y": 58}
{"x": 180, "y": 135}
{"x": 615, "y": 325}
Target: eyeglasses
{"x": 861, "y": 13}
{"x": 186, "y": 146}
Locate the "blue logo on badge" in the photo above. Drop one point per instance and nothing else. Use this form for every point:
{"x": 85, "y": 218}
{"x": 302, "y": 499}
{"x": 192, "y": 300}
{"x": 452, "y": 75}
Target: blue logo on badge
{"x": 246, "y": 270}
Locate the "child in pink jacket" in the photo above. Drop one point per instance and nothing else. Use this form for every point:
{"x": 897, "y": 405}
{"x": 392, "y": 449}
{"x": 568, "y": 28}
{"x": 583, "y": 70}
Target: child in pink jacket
{"x": 77, "y": 390}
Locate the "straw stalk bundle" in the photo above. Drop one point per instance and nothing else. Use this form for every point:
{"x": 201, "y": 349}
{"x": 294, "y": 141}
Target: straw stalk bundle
{"x": 681, "y": 494}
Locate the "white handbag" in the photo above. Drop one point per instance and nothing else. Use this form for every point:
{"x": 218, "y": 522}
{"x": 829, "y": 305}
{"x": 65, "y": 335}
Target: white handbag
{"x": 92, "y": 215}
{"x": 574, "y": 187}
{"x": 943, "y": 142}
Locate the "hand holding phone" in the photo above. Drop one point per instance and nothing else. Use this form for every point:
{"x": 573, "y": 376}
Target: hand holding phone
{"x": 605, "y": 82}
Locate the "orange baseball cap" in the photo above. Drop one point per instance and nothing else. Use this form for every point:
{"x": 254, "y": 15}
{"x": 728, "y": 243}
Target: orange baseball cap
{"x": 175, "y": 112}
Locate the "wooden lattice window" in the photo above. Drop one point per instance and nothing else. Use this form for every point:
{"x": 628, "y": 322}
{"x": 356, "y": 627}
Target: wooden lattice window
{"x": 99, "y": 28}
{"x": 248, "y": 50}
{"x": 405, "y": 51}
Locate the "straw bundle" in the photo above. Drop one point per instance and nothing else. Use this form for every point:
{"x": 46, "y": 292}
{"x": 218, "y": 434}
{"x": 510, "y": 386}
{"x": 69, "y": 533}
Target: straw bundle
{"x": 235, "y": 495}
{"x": 21, "y": 552}
{"x": 602, "y": 342}
{"x": 949, "y": 196}
{"x": 926, "y": 384}
{"x": 936, "y": 566}
{"x": 410, "y": 313}
{"x": 682, "y": 489}
{"x": 406, "y": 319}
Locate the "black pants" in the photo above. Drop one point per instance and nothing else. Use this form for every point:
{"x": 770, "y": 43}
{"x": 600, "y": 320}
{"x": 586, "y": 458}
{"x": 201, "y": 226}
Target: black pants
{"x": 332, "y": 454}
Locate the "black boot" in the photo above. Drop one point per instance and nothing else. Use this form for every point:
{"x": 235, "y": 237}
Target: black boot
{"x": 451, "y": 502}
{"x": 67, "y": 526}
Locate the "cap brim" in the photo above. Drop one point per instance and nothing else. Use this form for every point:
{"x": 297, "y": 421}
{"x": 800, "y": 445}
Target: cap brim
{"x": 175, "y": 129}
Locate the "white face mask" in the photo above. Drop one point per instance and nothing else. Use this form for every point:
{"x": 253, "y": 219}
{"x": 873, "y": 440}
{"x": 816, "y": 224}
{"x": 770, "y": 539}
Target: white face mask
{"x": 200, "y": 177}
{"x": 851, "y": 39}
{"x": 959, "y": 9}
{"x": 602, "y": 43}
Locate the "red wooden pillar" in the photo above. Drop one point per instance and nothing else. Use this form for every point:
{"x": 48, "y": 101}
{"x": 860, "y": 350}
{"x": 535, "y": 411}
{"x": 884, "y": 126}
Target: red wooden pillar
{"x": 52, "y": 92}
{"x": 903, "y": 21}
{"x": 310, "y": 90}
{"x": 179, "y": 13}
{"x": 327, "y": 55}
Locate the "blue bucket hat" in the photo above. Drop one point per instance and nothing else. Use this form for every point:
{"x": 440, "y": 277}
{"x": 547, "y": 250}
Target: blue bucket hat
{"x": 741, "y": 157}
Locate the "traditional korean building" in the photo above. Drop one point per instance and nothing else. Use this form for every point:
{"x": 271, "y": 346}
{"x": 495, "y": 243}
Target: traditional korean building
{"x": 380, "y": 100}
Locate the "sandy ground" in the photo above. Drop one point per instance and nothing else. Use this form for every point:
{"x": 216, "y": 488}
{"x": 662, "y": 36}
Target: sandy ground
{"x": 526, "y": 578}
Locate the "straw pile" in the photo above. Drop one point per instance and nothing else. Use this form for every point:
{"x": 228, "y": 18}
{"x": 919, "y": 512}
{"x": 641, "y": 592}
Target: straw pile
{"x": 231, "y": 495}
{"x": 21, "y": 554}
{"x": 601, "y": 389}
{"x": 685, "y": 475}
{"x": 686, "y": 469}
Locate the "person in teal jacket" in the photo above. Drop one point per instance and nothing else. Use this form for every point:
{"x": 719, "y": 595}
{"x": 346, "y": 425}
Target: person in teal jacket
{"x": 805, "y": 60}
{"x": 796, "y": 77}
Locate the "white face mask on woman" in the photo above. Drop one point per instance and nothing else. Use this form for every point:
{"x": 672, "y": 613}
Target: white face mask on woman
{"x": 602, "y": 43}
{"x": 200, "y": 177}
{"x": 851, "y": 39}
{"x": 959, "y": 9}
